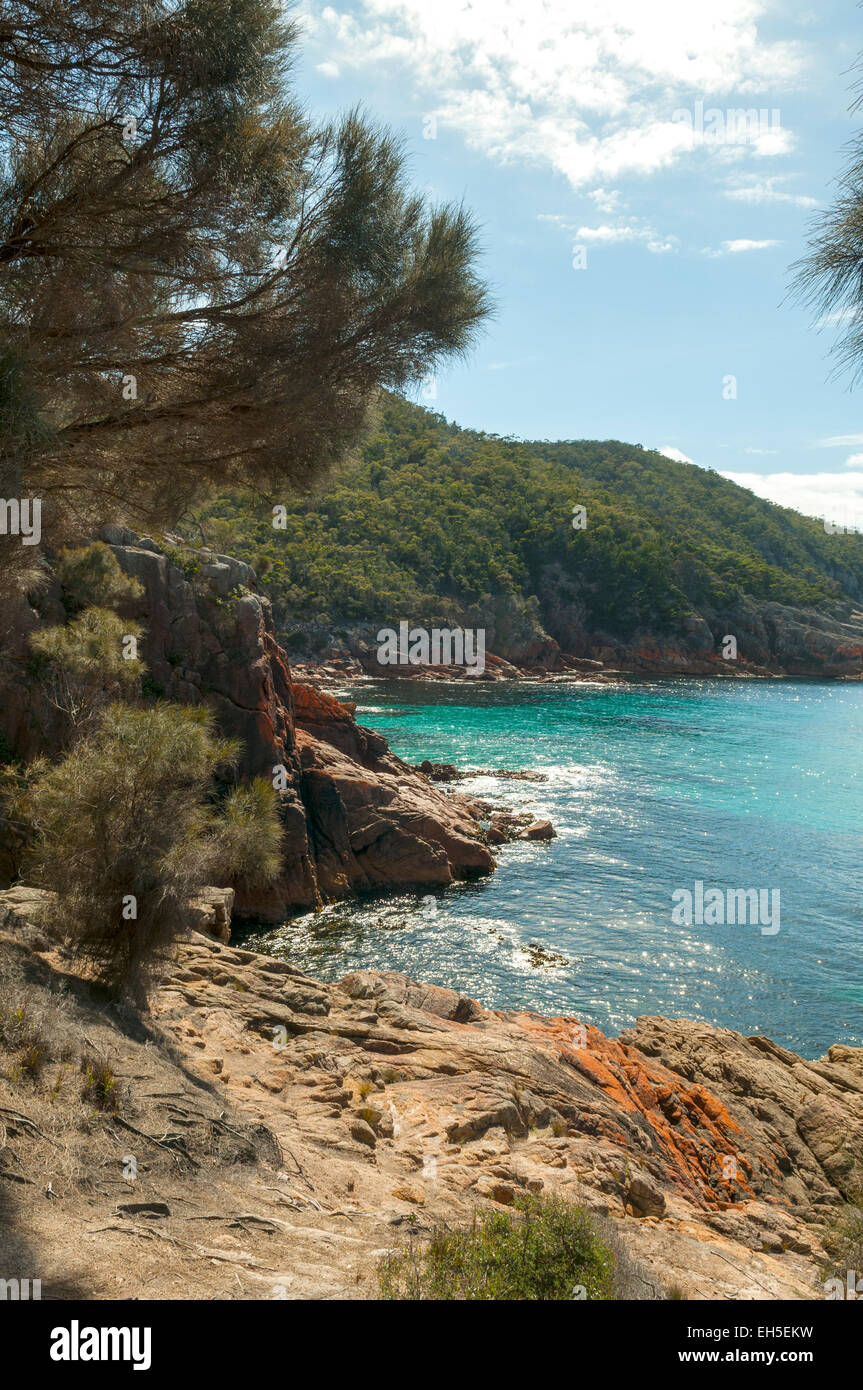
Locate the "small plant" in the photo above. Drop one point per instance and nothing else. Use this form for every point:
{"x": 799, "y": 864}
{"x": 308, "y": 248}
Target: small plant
{"x": 100, "y": 1085}
{"x": 58, "y": 1084}
{"x": 34, "y": 1027}
{"x": 365, "y": 1089}
{"x": 31, "y": 1062}
{"x": 186, "y": 561}
{"x": 844, "y": 1241}
{"x": 152, "y": 689}
{"x": 92, "y": 575}
{"x": 547, "y": 1249}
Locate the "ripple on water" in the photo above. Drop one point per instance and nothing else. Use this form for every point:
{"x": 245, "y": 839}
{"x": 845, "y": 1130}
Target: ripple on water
{"x": 650, "y": 786}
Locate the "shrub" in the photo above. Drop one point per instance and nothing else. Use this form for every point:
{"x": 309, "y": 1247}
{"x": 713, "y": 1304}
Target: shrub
{"x": 92, "y": 576}
{"x": 547, "y": 1249}
{"x": 127, "y": 833}
{"x": 152, "y": 689}
{"x": 249, "y": 837}
{"x": 83, "y": 666}
{"x": 843, "y": 1243}
{"x": 16, "y": 833}
{"x": 187, "y": 561}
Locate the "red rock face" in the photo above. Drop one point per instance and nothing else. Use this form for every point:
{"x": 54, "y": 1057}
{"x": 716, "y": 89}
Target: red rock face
{"x": 356, "y": 818}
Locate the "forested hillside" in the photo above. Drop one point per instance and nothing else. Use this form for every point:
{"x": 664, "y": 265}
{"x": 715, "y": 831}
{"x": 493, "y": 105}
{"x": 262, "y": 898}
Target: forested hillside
{"x": 437, "y": 524}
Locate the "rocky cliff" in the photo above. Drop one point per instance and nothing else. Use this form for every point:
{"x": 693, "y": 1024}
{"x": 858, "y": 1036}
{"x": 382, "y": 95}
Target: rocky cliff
{"x": 356, "y": 818}
{"x": 773, "y": 639}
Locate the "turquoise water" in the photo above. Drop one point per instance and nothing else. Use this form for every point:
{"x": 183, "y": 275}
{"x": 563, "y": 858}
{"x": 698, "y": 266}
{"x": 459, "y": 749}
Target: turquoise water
{"x": 651, "y": 786}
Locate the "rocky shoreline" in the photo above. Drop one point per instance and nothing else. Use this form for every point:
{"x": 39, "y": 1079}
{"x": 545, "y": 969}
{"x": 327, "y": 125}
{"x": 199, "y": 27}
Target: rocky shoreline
{"x": 355, "y": 817}
{"x": 335, "y": 673}
{"x": 286, "y": 1132}
{"x": 774, "y": 642}
{"x": 379, "y": 1105}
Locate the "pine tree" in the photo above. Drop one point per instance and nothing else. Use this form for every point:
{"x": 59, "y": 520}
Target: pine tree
{"x": 197, "y": 283}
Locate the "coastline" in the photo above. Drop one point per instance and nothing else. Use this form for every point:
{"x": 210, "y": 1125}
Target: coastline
{"x": 587, "y": 918}
{"x": 376, "y": 1104}
{"x": 332, "y": 675}
{"x": 388, "y": 1105}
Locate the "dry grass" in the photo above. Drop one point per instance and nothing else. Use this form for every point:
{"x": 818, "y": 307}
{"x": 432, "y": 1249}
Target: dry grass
{"x": 97, "y": 1114}
{"x": 36, "y": 1025}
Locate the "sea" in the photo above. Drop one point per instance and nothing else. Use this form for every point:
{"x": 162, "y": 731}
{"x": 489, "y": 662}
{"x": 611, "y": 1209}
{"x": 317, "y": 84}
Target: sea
{"x": 752, "y": 789}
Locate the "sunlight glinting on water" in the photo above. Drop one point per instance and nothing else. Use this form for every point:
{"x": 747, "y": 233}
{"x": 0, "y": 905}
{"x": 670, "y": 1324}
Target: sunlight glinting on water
{"x": 650, "y": 787}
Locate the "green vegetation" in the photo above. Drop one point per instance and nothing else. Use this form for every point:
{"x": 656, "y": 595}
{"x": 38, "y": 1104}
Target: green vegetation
{"x": 88, "y": 662}
{"x": 180, "y": 243}
{"x": 187, "y": 561}
{"x": 91, "y": 575}
{"x": 829, "y": 278}
{"x": 548, "y": 1249}
{"x": 128, "y": 828}
{"x": 92, "y": 658}
{"x": 435, "y": 523}
{"x": 139, "y": 814}
{"x": 99, "y": 1086}
{"x": 250, "y": 833}
{"x": 15, "y": 831}
{"x": 34, "y": 1024}
{"x": 843, "y": 1242}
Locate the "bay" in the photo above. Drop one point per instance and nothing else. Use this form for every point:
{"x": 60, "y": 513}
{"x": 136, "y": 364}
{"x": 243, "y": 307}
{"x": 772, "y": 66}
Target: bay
{"x": 651, "y": 786}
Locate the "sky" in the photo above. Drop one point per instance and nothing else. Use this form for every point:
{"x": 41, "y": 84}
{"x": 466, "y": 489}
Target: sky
{"x": 636, "y": 234}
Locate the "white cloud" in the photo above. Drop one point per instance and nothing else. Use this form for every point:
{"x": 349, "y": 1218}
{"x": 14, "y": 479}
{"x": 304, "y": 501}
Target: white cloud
{"x": 606, "y": 233}
{"x": 836, "y": 496}
{"x": 841, "y": 441}
{"x": 754, "y": 188}
{"x": 610, "y": 235}
{"x": 607, "y": 201}
{"x": 588, "y": 90}
{"x": 767, "y": 143}
{"x": 752, "y": 450}
{"x": 735, "y": 248}
{"x": 677, "y": 454}
{"x": 854, "y": 461}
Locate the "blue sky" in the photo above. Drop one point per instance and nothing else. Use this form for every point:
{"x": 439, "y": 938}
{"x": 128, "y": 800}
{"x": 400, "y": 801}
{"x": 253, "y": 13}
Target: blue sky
{"x": 639, "y": 260}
